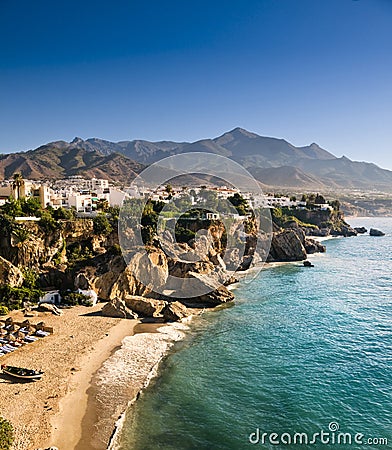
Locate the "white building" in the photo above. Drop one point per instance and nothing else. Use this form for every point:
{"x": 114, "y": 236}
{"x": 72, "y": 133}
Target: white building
{"x": 92, "y": 295}
{"x": 53, "y": 297}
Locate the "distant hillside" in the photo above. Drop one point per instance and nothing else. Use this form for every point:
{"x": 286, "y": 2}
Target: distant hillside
{"x": 60, "y": 159}
{"x": 287, "y": 177}
{"x": 274, "y": 162}
{"x": 311, "y": 166}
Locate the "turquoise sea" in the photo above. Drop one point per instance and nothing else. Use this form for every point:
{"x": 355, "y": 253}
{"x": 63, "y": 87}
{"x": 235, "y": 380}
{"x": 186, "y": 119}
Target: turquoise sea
{"x": 304, "y": 350}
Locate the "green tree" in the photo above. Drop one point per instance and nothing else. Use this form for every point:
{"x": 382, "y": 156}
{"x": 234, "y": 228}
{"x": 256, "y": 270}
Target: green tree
{"x": 64, "y": 214}
{"x": 12, "y": 208}
{"x": 47, "y": 222}
{"x": 102, "y": 225}
{"x": 31, "y": 206}
{"x": 21, "y": 235}
{"x": 102, "y": 205}
{"x": 240, "y": 204}
{"x": 335, "y": 205}
{"x": 31, "y": 278}
{"x": 319, "y": 200}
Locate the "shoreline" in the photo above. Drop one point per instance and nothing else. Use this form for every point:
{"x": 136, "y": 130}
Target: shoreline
{"x": 115, "y": 437}
{"x": 69, "y": 425}
{"x": 114, "y": 441}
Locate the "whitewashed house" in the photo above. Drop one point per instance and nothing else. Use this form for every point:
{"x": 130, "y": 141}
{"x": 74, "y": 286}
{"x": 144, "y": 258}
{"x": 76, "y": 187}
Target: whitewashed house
{"x": 53, "y": 297}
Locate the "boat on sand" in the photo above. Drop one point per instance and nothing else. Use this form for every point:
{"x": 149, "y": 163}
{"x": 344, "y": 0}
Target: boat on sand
{"x": 21, "y": 372}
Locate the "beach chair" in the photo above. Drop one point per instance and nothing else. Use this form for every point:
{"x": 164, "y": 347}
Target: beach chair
{"x": 5, "y": 349}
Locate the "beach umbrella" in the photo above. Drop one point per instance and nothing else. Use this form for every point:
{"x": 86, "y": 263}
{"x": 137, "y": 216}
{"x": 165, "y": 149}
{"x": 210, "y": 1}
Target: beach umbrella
{"x": 10, "y": 337}
{"x": 40, "y": 326}
{"x": 19, "y": 335}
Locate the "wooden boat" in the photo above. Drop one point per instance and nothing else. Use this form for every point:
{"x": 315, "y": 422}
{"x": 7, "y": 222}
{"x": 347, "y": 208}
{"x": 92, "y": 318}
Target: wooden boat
{"x": 22, "y": 373}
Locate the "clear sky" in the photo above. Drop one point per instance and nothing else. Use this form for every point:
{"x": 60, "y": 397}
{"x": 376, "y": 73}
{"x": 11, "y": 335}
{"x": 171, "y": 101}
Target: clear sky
{"x": 304, "y": 70}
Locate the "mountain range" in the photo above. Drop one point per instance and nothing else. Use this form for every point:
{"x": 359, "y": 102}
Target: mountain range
{"x": 274, "y": 162}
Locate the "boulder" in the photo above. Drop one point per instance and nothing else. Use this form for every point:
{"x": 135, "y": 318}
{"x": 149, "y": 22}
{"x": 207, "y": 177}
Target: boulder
{"x": 10, "y": 274}
{"x": 49, "y": 307}
{"x": 144, "y": 307}
{"x": 374, "y": 232}
{"x": 347, "y": 231}
{"x": 117, "y": 308}
{"x": 313, "y": 246}
{"x": 180, "y": 268}
{"x": 212, "y": 292}
{"x": 360, "y": 230}
{"x": 308, "y": 264}
{"x": 286, "y": 245}
{"x": 174, "y": 311}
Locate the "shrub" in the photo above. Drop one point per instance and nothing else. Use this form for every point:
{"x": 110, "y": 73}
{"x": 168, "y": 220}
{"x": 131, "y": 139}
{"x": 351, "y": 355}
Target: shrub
{"x": 75, "y": 298}
{"x": 13, "y": 297}
{"x": 6, "y": 434}
{"x": 47, "y": 223}
{"x": 3, "y": 311}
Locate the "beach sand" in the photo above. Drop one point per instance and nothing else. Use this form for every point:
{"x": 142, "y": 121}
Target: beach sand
{"x": 81, "y": 342}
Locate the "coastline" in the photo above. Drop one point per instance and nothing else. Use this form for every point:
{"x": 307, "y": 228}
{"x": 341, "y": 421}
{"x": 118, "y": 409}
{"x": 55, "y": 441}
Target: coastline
{"x": 120, "y": 367}
{"x": 70, "y": 424}
{"x": 90, "y": 360}
{"x": 170, "y": 333}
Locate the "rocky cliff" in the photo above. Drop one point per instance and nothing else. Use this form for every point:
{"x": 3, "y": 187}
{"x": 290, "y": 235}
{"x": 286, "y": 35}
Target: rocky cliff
{"x": 72, "y": 256}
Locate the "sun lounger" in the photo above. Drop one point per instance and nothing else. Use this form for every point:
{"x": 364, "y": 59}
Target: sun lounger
{"x": 10, "y": 347}
{"x": 41, "y": 333}
{"x": 5, "y": 350}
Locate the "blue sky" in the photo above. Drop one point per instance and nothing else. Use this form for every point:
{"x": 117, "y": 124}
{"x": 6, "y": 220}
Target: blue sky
{"x": 304, "y": 70}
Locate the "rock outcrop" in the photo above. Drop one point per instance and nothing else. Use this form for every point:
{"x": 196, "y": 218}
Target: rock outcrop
{"x": 144, "y": 273}
{"x": 313, "y": 246}
{"x": 117, "y": 308}
{"x": 144, "y": 307}
{"x": 9, "y": 274}
{"x": 49, "y": 307}
{"x": 360, "y": 230}
{"x": 374, "y": 232}
{"x": 174, "y": 312}
{"x": 286, "y": 245}
{"x": 212, "y": 292}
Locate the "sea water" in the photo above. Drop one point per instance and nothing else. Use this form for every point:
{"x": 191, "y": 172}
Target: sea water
{"x": 304, "y": 350}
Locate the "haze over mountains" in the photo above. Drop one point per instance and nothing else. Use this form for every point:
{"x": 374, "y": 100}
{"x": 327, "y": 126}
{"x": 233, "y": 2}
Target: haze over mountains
{"x": 274, "y": 162}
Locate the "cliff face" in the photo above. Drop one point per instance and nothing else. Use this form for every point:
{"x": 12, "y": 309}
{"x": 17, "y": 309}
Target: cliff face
{"x": 72, "y": 256}
{"x": 326, "y": 222}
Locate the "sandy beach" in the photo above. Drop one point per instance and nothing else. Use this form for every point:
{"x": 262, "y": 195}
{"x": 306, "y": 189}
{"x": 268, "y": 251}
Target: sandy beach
{"x": 81, "y": 342}
{"x": 94, "y": 368}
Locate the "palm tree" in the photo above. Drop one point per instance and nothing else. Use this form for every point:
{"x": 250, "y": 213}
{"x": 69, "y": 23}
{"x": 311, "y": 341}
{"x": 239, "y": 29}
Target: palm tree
{"x": 17, "y": 183}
